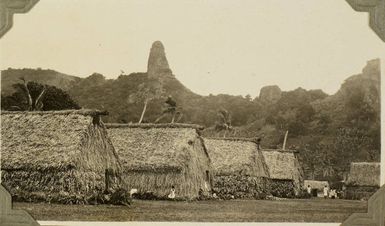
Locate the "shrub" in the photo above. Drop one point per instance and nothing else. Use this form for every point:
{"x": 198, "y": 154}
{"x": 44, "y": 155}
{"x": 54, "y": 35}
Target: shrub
{"x": 302, "y": 194}
{"x": 283, "y": 189}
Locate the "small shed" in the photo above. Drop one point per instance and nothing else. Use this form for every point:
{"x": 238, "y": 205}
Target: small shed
{"x": 317, "y": 186}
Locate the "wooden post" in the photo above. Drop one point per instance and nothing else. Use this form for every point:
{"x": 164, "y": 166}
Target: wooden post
{"x": 284, "y": 141}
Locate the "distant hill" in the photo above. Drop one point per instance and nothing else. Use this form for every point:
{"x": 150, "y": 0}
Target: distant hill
{"x": 330, "y": 131}
{"x": 49, "y": 77}
{"x": 360, "y": 91}
{"x": 114, "y": 95}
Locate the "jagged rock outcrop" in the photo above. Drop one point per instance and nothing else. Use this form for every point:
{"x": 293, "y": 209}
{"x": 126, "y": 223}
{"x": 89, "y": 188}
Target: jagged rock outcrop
{"x": 270, "y": 94}
{"x": 372, "y": 69}
{"x": 157, "y": 62}
{"x": 360, "y": 90}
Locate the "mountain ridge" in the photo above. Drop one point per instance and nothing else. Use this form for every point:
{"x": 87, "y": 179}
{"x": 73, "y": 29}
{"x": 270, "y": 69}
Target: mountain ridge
{"x": 312, "y": 117}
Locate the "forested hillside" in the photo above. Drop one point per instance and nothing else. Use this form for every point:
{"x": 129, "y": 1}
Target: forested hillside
{"x": 12, "y": 76}
{"x": 329, "y": 131}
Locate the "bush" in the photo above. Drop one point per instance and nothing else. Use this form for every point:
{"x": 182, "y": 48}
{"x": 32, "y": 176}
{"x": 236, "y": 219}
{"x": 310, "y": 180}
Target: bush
{"x": 240, "y": 187}
{"x": 147, "y": 196}
{"x": 302, "y": 194}
{"x": 282, "y": 189}
{"x": 261, "y": 195}
{"x": 120, "y": 197}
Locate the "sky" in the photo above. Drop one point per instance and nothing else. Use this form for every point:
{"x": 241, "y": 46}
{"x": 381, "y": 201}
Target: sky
{"x": 213, "y": 46}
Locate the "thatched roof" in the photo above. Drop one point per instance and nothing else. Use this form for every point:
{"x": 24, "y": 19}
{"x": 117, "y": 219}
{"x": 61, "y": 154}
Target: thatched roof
{"x": 254, "y": 140}
{"x": 235, "y": 156}
{"x": 85, "y": 112}
{"x": 316, "y": 184}
{"x": 45, "y": 140}
{"x": 282, "y": 165}
{"x": 154, "y": 147}
{"x": 364, "y": 174}
{"x": 154, "y": 125}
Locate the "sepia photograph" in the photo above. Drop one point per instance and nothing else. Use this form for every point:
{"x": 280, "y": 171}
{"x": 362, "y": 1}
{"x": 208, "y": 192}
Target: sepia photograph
{"x": 190, "y": 110}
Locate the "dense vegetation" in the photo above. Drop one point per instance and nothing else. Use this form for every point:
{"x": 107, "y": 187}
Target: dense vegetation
{"x": 330, "y": 131}
{"x": 42, "y": 97}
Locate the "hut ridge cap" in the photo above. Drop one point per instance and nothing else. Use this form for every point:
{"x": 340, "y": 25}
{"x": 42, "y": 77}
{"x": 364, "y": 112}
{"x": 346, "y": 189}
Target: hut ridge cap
{"x": 153, "y": 125}
{"x": 86, "y": 112}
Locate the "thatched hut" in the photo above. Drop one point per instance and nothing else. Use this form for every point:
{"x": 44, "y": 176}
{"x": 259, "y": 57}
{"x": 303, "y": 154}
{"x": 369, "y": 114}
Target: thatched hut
{"x": 363, "y": 180}
{"x": 239, "y": 168}
{"x": 317, "y": 186}
{"x": 56, "y": 156}
{"x": 285, "y": 172}
{"x": 156, "y": 157}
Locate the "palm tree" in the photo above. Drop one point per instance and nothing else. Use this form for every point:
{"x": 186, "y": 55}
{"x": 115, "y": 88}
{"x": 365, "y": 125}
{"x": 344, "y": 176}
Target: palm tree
{"x": 148, "y": 91}
{"x": 170, "y": 109}
{"x": 223, "y": 122}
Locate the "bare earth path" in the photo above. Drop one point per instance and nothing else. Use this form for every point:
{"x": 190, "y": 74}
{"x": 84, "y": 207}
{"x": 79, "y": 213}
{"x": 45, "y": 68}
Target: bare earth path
{"x": 314, "y": 210}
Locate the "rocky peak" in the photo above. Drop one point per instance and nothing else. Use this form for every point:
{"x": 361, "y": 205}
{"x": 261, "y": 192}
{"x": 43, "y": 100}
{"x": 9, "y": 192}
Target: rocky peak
{"x": 270, "y": 94}
{"x": 372, "y": 69}
{"x": 157, "y": 61}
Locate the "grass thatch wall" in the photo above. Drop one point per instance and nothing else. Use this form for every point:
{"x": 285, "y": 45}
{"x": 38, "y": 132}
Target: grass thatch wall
{"x": 239, "y": 168}
{"x": 359, "y": 192}
{"x": 363, "y": 180}
{"x": 364, "y": 174}
{"x": 155, "y": 158}
{"x": 284, "y": 168}
{"x": 64, "y": 152}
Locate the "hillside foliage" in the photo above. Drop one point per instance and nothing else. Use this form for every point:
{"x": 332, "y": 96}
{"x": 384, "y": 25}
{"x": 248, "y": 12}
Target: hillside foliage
{"x": 329, "y": 131}
{"x": 52, "y": 98}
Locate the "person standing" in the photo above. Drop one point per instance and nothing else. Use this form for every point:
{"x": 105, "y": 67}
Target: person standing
{"x": 326, "y": 191}
{"x": 308, "y": 189}
{"x": 333, "y": 194}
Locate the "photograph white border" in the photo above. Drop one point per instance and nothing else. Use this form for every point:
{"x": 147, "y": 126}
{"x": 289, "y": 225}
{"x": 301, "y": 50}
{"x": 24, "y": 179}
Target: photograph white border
{"x": 30, "y": 4}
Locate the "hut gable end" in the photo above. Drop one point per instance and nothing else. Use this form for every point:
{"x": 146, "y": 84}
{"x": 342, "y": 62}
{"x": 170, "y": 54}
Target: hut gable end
{"x": 364, "y": 174}
{"x": 282, "y": 165}
{"x": 231, "y": 157}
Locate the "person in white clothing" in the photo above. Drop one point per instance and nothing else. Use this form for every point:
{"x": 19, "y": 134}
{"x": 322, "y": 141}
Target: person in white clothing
{"x": 308, "y": 189}
{"x": 172, "y": 193}
{"x": 333, "y": 194}
{"x": 326, "y": 191}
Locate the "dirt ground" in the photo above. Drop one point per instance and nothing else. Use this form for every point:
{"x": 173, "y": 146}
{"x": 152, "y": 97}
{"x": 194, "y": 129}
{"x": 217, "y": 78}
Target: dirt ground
{"x": 310, "y": 210}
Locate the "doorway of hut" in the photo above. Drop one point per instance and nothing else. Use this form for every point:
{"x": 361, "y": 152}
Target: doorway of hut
{"x": 208, "y": 181}
{"x": 108, "y": 179}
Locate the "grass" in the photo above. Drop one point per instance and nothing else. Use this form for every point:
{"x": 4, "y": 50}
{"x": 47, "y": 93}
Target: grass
{"x": 313, "y": 210}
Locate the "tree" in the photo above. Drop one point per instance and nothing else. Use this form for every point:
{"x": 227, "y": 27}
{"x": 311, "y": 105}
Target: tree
{"x": 32, "y": 96}
{"x": 248, "y": 97}
{"x": 351, "y": 144}
{"x": 149, "y": 90}
{"x": 223, "y": 121}
{"x": 34, "y": 104}
{"x": 170, "y": 109}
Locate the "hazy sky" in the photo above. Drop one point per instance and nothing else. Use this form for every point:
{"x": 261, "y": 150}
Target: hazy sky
{"x": 213, "y": 46}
